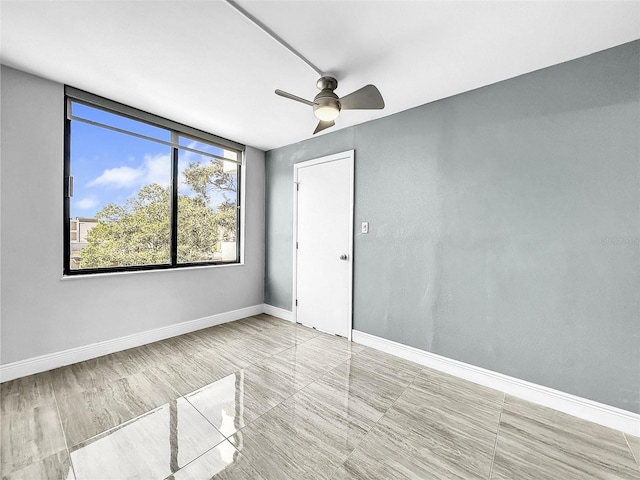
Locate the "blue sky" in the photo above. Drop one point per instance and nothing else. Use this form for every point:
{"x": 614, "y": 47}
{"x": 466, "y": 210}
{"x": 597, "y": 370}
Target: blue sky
{"x": 108, "y": 166}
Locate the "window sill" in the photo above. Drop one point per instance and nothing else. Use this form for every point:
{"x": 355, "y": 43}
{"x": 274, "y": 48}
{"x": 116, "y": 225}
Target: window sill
{"x": 146, "y": 272}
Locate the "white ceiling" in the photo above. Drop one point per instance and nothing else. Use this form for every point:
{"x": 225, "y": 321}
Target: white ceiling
{"x": 201, "y": 63}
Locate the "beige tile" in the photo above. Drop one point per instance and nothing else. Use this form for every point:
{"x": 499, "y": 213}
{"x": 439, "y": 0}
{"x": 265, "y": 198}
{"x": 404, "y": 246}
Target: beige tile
{"x": 311, "y": 433}
{"x": 335, "y": 344}
{"x": 56, "y": 466}
{"x": 462, "y": 405}
{"x": 430, "y": 434}
{"x": 93, "y": 411}
{"x": 325, "y": 352}
{"x": 219, "y": 335}
{"x": 260, "y": 322}
{"x": 299, "y": 368}
{"x": 26, "y": 392}
{"x": 273, "y": 457}
{"x": 227, "y": 333}
{"x": 87, "y": 375}
{"x": 222, "y": 462}
{"x": 275, "y": 340}
{"x": 385, "y": 366}
{"x": 540, "y": 443}
{"x": 304, "y": 437}
{"x": 194, "y": 372}
{"x": 362, "y": 387}
{"x": 252, "y": 349}
{"x": 391, "y": 461}
{"x": 29, "y": 436}
{"x": 250, "y": 325}
{"x": 231, "y": 332}
{"x": 356, "y": 471}
{"x": 394, "y": 450}
{"x": 297, "y": 403}
{"x": 335, "y": 423}
{"x": 634, "y": 445}
{"x": 238, "y": 399}
{"x": 153, "y": 445}
{"x": 98, "y": 372}
{"x": 307, "y": 361}
{"x": 377, "y": 357}
{"x": 175, "y": 349}
{"x": 291, "y": 335}
{"x": 274, "y": 321}
{"x": 135, "y": 360}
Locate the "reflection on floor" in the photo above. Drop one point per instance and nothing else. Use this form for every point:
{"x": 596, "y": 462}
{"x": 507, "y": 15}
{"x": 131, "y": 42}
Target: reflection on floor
{"x": 261, "y": 398}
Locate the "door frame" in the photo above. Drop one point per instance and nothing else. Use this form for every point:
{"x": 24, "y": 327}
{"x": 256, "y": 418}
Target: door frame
{"x": 349, "y": 154}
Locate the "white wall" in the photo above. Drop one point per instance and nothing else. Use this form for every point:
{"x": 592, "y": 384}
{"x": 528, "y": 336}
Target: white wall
{"x": 43, "y": 313}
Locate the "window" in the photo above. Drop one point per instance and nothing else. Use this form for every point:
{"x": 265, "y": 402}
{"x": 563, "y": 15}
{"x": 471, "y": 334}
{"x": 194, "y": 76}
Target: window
{"x": 143, "y": 192}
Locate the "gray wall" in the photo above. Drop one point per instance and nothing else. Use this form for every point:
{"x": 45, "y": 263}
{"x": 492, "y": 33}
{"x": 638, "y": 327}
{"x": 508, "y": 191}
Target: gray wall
{"x": 504, "y": 226}
{"x": 41, "y": 313}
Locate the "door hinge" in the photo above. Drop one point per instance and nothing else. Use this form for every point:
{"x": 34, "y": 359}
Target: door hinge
{"x": 296, "y": 245}
{"x": 297, "y": 186}
{"x": 68, "y": 187}
{"x": 296, "y": 302}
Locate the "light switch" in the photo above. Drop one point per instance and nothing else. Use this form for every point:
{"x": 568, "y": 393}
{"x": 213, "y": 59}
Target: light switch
{"x": 365, "y": 227}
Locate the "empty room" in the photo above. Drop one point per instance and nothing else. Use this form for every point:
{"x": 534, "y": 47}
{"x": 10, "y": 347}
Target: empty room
{"x": 320, "y": 239}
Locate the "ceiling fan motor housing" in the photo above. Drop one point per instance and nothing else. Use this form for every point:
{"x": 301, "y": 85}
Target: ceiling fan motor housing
{"x": 327, "y": 82}
{"x": 326, "y": 99}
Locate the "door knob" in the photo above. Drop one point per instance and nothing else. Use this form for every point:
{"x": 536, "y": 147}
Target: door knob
{"x": 344, "y": 256}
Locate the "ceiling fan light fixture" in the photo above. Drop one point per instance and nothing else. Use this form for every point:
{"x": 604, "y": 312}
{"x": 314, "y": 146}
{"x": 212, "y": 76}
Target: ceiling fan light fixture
{"x": 326, "y": 113}
{"x": 327, "y": 105}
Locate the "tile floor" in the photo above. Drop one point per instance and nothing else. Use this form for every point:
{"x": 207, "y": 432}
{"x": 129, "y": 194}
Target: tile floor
{"x": 261, "y": 398}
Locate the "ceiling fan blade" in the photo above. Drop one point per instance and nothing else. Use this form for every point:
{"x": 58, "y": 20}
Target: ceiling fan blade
{"x": 294, "y": 97}
{"x": 367, "y": 98}
{"x": 322, "y": 125}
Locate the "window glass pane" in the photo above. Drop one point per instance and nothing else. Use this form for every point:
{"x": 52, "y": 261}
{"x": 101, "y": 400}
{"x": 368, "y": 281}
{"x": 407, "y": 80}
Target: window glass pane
{"x": 207, "y": 209}
{"x": 120, "y": 213}
{"x": 120, "y": 208}
{"x": 207, "y": 147}
{"x": 118, "y": 121}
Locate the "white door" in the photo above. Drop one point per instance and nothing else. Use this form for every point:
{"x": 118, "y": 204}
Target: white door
{"x": 323, "y": 242}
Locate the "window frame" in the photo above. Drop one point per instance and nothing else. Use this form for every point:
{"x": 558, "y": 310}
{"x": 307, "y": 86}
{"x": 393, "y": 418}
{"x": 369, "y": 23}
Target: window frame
{"x": 176, "y": 129}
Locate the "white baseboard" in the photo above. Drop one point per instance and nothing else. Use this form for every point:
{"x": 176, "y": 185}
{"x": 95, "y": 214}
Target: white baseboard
{"x": 278, "y": 312}
{"x": 50, "y": 361}
{"x": 589, "y": 410}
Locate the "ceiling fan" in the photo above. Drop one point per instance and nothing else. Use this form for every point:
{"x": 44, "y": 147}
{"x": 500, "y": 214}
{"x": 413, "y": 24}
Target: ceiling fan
{"x": 327, "y": 105}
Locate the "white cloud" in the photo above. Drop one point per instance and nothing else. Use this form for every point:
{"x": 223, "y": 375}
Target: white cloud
{"x": 154, "y": 169}
{"x": 187, "y": 155}
{"x": 157, "y": 169}
{"x": 86, "y": 203}
{"x": 120, "y": 177}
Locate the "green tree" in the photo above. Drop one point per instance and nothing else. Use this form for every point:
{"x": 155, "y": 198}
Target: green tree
{"x": 138, "y": 231}
{"x": 211, "y": 177}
